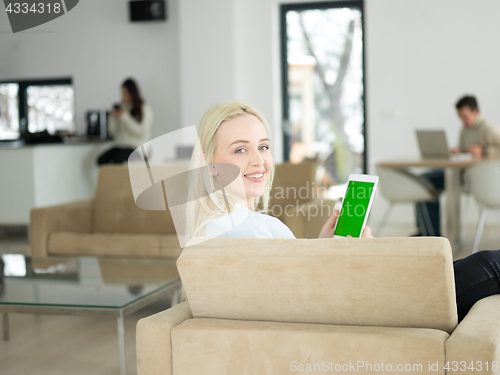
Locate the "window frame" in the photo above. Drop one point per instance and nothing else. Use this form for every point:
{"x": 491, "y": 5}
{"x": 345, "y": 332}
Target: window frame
{"x": 284, "y": 8}
{"x": 23, "y": 98}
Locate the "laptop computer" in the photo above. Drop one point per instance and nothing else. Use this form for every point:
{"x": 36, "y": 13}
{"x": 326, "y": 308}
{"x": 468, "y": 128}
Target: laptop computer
{"x": 434, "y": 145}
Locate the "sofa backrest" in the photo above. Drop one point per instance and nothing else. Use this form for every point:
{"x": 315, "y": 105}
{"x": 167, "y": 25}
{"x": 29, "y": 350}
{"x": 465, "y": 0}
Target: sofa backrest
{"x": 115, "y": 211}
{"x": 395, "y": 282}
{"x": 293, "y": 184}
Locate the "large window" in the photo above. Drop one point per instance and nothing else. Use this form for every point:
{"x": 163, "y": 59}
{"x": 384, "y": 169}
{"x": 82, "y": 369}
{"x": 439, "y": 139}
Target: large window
{"x": 323, "y": 86}
{"x": 36, "y": 105}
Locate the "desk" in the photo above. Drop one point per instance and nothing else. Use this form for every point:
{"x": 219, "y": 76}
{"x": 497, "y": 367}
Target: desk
{"x": 452, "y": 170}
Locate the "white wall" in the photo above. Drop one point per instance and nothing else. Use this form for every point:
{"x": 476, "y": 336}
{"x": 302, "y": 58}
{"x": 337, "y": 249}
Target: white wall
{"x": 97, "y": 45}
{"x": 207, "y": 62}
{"x": 420, "y": 57}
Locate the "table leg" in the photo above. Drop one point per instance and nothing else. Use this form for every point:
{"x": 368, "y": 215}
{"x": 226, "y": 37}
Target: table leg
{"x": 453, "y": 219}
{"x": 5, "y": 327}
{"x": 176, "y": 296}
{"x": 121, "y": 345}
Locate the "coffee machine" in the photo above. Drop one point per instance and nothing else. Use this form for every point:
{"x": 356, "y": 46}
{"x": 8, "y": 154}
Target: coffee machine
{"x": 97, "y": 124}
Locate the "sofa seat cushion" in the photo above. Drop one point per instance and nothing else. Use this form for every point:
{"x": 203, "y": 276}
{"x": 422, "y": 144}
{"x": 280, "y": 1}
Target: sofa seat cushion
{"x": 140, "y": 245}
{"x": 217, "y": 346}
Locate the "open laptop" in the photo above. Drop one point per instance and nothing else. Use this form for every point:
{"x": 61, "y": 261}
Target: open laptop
{"x": 434, "y": 145}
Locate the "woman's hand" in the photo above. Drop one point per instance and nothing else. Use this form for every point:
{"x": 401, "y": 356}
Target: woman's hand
{"x": 327, "y": 230}
{"x": 117, "y": 112}
{"x": 367, "y": 233}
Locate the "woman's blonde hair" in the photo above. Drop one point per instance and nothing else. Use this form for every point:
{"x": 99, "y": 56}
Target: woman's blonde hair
{"x": 207, "y": 200}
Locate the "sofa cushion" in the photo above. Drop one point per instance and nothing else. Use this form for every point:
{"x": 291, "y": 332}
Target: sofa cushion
{"x": 141, "y": 245}
{"x": 115, "y": 211}
{"x": 398, "y": 282}
{"x": 216, "y": 346}
{"x": 477, "y": 338}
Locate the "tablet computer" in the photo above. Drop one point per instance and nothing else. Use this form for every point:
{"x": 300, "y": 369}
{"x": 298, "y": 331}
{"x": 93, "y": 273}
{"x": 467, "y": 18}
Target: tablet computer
{"x": 356, "y": 205}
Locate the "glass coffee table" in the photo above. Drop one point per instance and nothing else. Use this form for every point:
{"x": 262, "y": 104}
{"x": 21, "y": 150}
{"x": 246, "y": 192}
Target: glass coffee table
{"x": 105, "y": 287}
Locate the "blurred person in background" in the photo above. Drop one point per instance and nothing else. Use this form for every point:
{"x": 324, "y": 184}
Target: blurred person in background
{"x": 479, "y": 137}
{"x": 129, "y": 123}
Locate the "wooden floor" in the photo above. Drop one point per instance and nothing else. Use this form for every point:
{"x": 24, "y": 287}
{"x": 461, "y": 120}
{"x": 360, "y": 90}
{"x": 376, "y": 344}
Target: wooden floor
{"x": 54, "y": 345}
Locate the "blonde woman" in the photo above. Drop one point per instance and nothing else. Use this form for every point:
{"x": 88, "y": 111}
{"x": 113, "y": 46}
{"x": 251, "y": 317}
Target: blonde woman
{"x": 233, "y": 170}
{"x": 232, "y": 174}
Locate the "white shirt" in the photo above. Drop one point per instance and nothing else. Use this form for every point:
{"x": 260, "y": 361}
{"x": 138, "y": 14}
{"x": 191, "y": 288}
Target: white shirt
{"x": 245, "y": 223}
{"x": 129, "y": 132}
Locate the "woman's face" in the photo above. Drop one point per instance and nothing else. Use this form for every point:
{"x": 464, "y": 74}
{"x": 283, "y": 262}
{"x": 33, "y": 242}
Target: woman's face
{"x": 126, "y": 97}
{"x": 244, "y": 142}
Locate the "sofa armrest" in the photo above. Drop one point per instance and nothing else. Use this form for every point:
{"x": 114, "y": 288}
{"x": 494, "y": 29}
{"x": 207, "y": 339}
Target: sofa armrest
{"x": 153, "y": 340}
{"x": 72, "y": 217}
{"x": 306, "y": 219}
{"x": 477, "y": 338}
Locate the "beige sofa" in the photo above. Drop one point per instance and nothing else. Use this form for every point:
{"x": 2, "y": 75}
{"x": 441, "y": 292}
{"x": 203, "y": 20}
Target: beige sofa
{"x": 111, "y": 224}
{"x": 274, "y": 306}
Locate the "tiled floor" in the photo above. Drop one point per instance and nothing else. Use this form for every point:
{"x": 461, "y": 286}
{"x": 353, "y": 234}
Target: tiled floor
{"x": 55, "y": 345}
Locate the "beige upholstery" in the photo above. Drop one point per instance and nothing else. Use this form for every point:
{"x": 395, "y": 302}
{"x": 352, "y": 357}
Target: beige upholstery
{"x": 263, "y": 306}
{"x": 141, "y": 245}
{"x": 218, "y": 346}
{"x": 72, "y": 217}
{"x": 109, "y": 224}
{"x": 115, "y": 211}
{"x": 154, "y": 347}
{"x": 477, "y": 338}
{"x": 296, "y": 201}
{"x": 332, "y": 281}
{"x": 140, "y": 271}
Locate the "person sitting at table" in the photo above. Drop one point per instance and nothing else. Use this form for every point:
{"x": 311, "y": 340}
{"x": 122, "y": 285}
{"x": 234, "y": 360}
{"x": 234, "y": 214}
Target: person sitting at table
{"x": 130, "y": 125}
{"x": 479, "y": 137}
{"x": 233, "y": 171}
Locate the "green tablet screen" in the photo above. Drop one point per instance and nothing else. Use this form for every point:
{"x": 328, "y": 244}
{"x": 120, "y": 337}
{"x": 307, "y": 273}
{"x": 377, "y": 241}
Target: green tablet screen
{"x": 354, "y": 208}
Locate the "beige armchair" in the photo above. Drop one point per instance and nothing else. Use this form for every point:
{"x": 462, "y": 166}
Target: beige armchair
{"x": 297, "y": 200}
{"x": 109, "y": 224}
{"x": 274, "y": 306}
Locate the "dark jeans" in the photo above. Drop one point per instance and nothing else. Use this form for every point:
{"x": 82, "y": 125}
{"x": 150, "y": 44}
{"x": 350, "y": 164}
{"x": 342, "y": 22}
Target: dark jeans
{"x": 430, "y": 208}
{"x": 115, "y": 155}
{"x": 476, "y": 276}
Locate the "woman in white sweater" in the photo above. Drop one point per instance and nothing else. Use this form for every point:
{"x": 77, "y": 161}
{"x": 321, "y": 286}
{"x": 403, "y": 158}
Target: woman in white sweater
{"x": 129, "y": 124}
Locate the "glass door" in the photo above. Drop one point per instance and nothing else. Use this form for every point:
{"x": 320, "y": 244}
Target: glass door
{"x": 323, "y": 88}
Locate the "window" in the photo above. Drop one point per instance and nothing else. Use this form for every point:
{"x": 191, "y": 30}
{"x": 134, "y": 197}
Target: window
{"x": 323, "y": 86}
{"x": 36, "y": 105}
